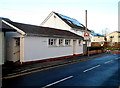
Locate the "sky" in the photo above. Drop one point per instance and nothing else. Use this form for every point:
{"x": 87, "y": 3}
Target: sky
{"x": 102, "y": 14}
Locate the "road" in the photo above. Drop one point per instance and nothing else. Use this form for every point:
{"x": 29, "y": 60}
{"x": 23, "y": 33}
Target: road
{"x": 103, "y": 71}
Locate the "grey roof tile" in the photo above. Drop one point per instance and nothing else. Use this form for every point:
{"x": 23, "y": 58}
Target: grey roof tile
{"x": 44, "y": 31}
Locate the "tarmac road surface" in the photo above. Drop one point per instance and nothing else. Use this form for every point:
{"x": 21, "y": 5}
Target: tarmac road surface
{"x": 103, "y": 71}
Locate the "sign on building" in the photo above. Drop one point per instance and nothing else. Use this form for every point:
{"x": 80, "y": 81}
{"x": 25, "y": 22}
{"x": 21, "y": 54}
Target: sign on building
{"x": 86, "y": 35}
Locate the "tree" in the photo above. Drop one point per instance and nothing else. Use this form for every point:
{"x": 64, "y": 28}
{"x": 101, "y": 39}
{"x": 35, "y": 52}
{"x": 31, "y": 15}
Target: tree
{"x": 105, "y": 31}
{"x": 92, "y": 31}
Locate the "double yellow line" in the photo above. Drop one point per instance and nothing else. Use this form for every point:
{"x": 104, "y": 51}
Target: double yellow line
{"x": 21, "y": 74}
{"x": 8, "y": 77}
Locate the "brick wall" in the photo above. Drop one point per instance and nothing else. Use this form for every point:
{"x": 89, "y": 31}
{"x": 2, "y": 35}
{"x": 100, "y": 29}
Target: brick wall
{"x": 95, "y": 52}
{"x": 95, "y": 44}
{"x": 115, "y": 44}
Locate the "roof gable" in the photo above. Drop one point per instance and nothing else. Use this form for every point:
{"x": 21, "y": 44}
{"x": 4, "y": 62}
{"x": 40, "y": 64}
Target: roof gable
{"x": 54, "y": 21}
{"x": 73, "y": 23}
{"x": 69, "y": 22}
{"x": 113, "y": 33}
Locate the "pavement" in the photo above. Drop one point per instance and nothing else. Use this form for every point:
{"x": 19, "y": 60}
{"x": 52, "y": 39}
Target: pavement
{"x": 13, "y": 70}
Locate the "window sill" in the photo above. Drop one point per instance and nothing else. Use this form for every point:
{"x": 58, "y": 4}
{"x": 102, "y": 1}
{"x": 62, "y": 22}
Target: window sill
{"x": 61, "y": 46}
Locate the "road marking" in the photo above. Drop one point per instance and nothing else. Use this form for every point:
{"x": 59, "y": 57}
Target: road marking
{"x": 21, "y": 74}
{"x": 117, "y": 58}
{"x": 91, "y": 68}
{"x": 57, "y": 82}
{"x": 108, "y": 61}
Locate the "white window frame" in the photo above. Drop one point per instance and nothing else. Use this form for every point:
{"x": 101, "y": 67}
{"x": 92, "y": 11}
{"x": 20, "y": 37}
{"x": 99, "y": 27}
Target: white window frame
{"x": 61, "y": 41}
{"x": 52, "y": 42}
{"x": 17, "y": 41}
{"x": 67, "y": 42}
{"x": 111, "y": 36}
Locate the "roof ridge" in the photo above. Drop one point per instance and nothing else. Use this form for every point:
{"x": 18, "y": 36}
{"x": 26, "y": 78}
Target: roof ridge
{"x": 48, "y": 28}
{"x": 72, "y": 22}
{"x": 65, "y": 15}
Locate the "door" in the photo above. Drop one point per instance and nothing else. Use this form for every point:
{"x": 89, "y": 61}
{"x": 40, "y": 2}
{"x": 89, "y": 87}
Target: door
{"x": 85, "y": 48}
{"x": 16, "y": 49}
{"x": 74, "y": 47}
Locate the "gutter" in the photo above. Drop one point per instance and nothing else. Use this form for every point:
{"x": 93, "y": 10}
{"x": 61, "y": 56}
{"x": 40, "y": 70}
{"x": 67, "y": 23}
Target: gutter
{"x": 58, "y": 36}
{"x": 17, "y": 29}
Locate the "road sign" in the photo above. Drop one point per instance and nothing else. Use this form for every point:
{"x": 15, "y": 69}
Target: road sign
{"x": 86, "y": 34}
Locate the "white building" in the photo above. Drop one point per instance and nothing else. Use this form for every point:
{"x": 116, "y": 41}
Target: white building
{"x": 33, "y": 43}
{"x": 59, "y": 21}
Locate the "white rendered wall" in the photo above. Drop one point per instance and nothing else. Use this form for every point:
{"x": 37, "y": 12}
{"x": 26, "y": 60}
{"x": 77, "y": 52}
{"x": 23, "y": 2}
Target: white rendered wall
{"x": 1, "y": 48}
{"x": 10, "y": 43}
{"x": 36, "y": 48}
{"x": 55, "y": 22}
{"x": 80, "y": 49}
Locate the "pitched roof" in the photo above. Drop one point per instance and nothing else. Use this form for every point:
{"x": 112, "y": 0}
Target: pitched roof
{"x": 71, "y": 22}
{"x": 4, "y": 27}
{"x": 43, "y": 31}
{"x": 117, "y": 31}
{"x": 97, "y": 34}
{"x": 113, "y": 32}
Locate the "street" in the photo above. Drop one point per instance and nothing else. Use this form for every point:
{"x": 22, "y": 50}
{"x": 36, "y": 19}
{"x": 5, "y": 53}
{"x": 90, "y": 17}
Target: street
{"x": 102, "y": 71}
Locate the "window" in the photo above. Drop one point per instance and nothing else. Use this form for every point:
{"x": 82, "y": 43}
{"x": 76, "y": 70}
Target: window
{"x": 102, "y": 42}
{"x": 112, "y": 43}
{"x": 17, "y": 42}
{"x": 60, "y": 42}
{"x": 80, "y": 42}
{"x": 111, "y": 36}
{"x": 67, "y": 42}
{"x": 52, "y": 42}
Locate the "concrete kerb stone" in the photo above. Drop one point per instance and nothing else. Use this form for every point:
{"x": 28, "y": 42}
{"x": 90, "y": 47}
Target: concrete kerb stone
{"x": 42, "y": 67}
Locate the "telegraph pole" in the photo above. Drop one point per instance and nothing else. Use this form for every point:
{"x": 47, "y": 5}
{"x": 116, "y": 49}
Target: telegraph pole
{"x": 86, "y": 20}
{"x": 86, "y": 30}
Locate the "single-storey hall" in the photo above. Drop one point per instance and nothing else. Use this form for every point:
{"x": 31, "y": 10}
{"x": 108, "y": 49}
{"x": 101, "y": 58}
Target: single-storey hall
{"x": 33, "y": 43}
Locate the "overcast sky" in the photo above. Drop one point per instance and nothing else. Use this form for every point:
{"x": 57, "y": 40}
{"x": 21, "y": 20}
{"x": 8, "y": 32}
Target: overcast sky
{"x": 102, "y": 14}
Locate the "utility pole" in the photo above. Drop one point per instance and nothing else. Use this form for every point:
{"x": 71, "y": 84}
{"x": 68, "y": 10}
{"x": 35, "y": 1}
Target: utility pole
{"x": 86, "y": 20}
{"x": 86, "y": 30}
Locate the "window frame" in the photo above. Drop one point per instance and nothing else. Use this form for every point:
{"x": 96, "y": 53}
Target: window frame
{"x": 67, "y": 42}
{"x": 52, "y": 42}
{"x": 17, "y": 41}
{"x": 60, "y": 42}
{"x": 111, "y": 36}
